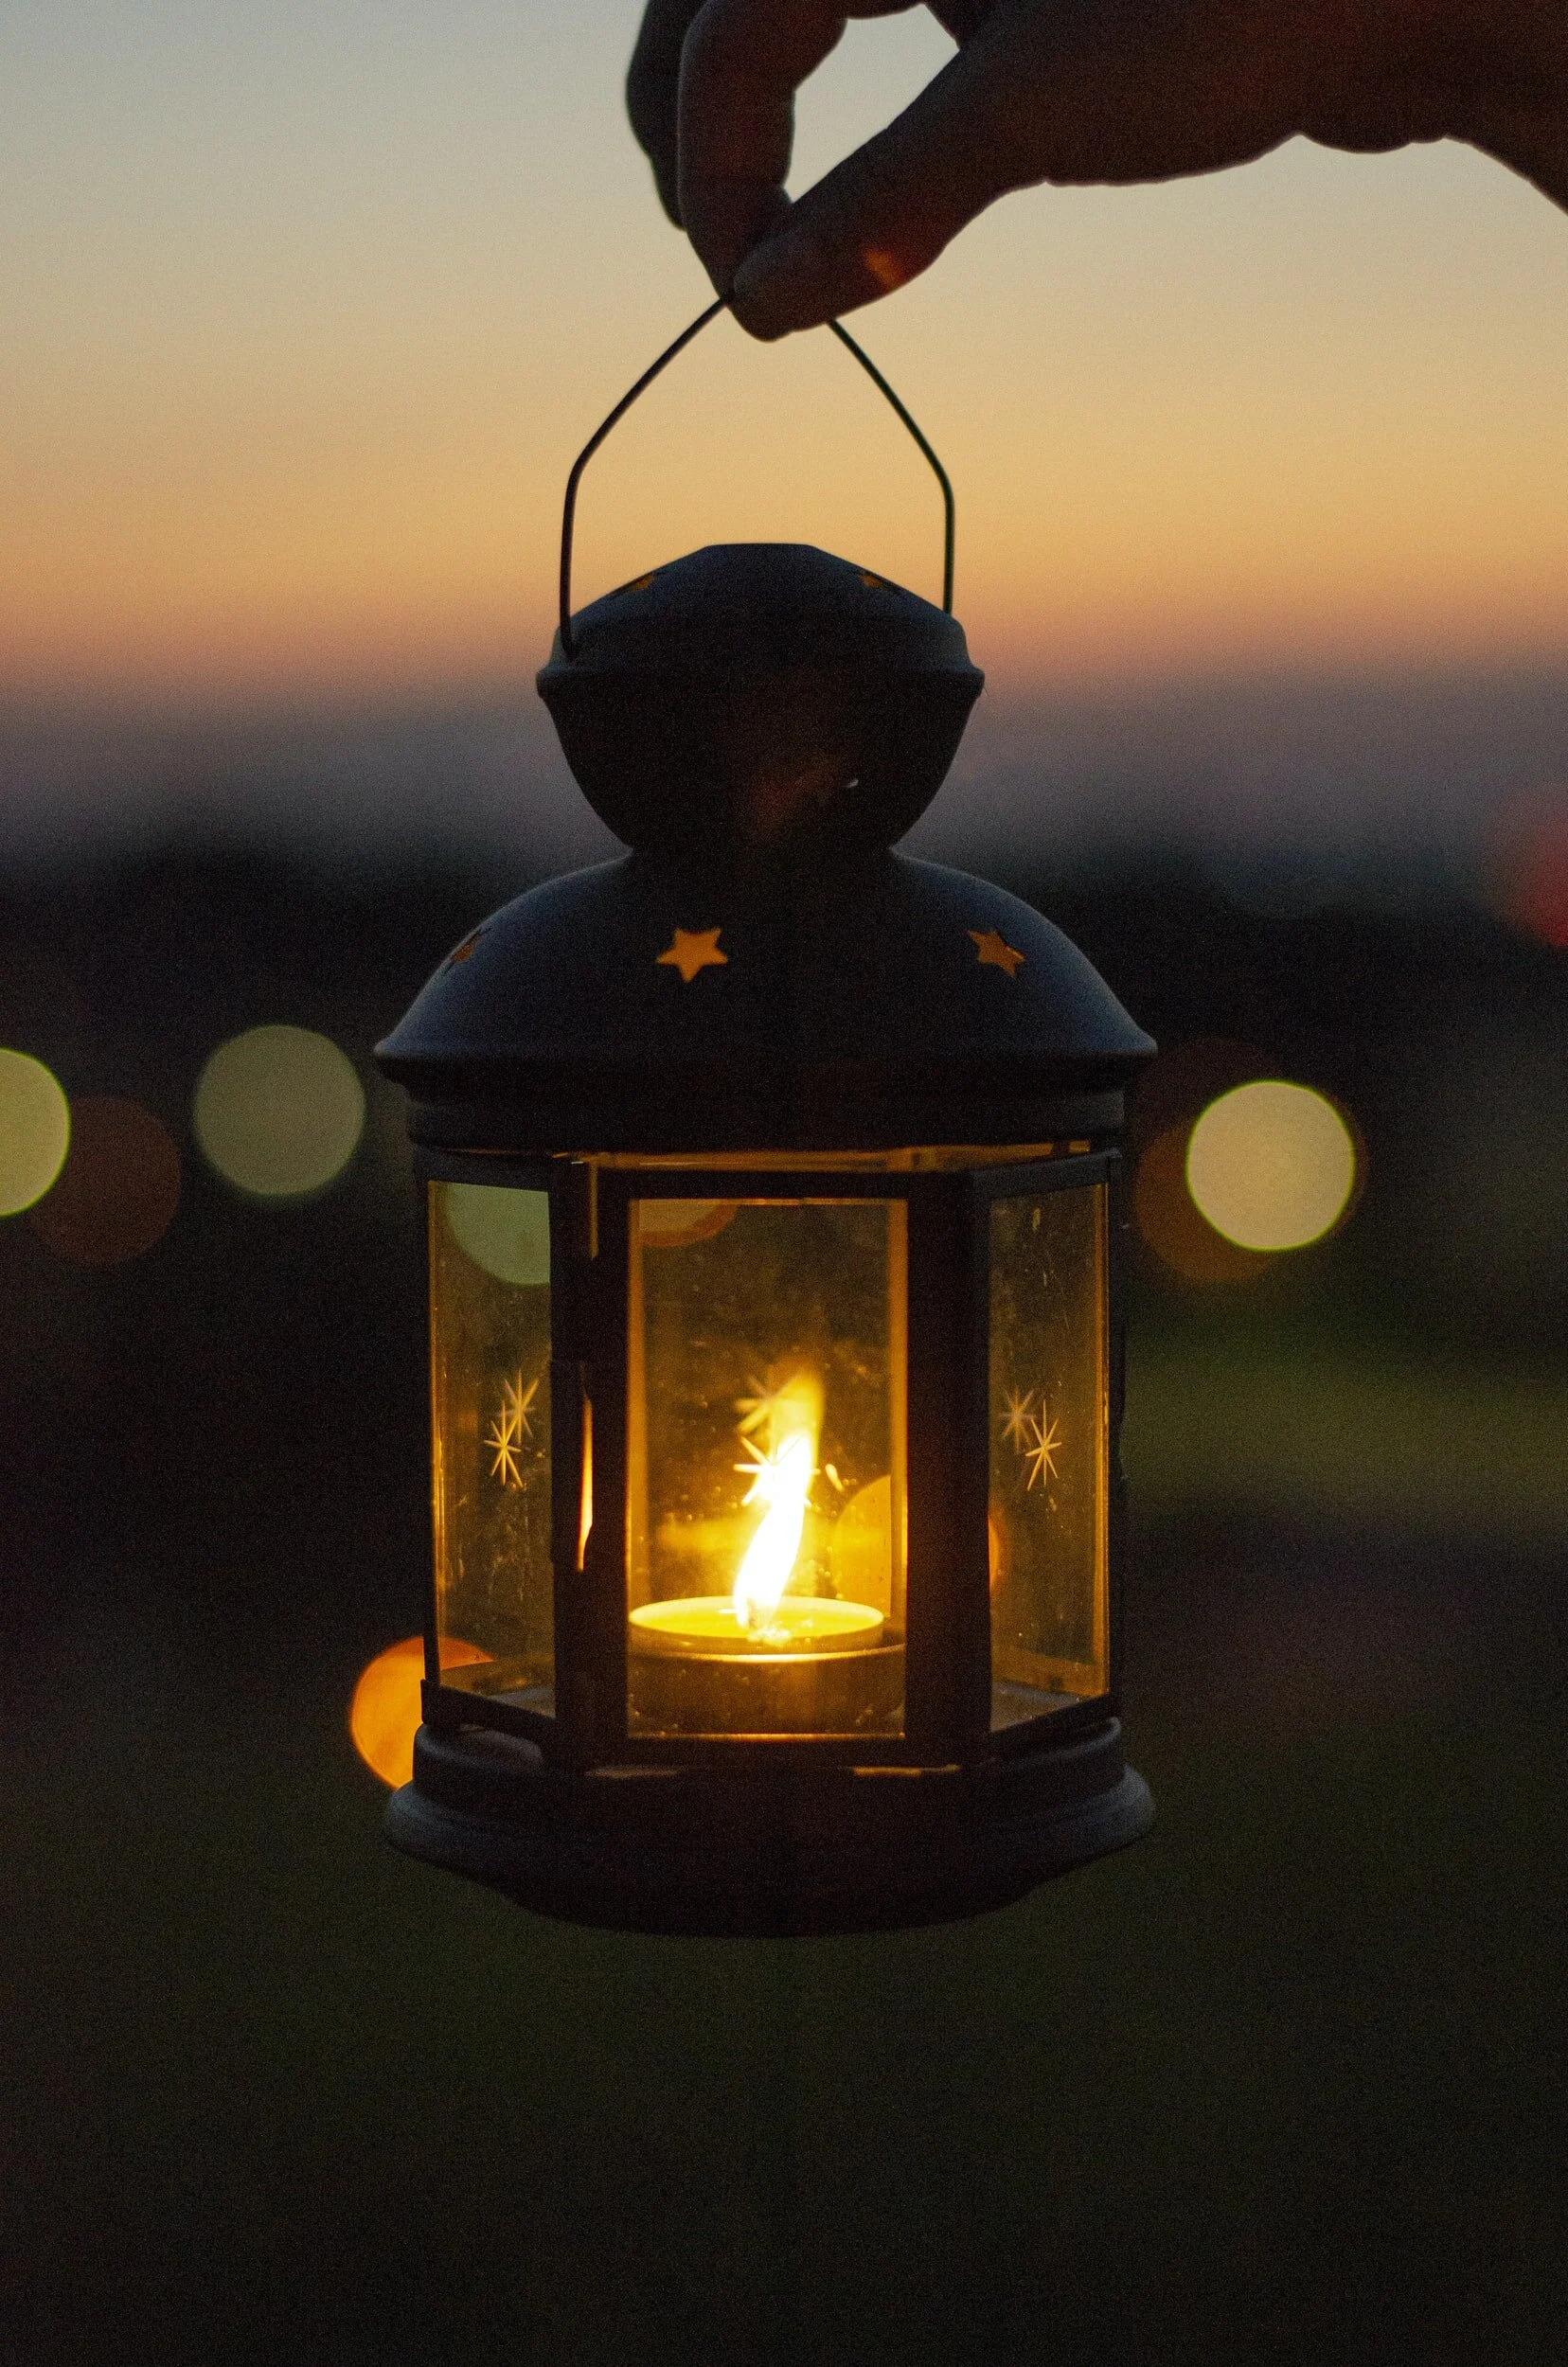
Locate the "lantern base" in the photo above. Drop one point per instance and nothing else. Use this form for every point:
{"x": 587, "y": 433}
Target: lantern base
{"x": 712, "y": 1852}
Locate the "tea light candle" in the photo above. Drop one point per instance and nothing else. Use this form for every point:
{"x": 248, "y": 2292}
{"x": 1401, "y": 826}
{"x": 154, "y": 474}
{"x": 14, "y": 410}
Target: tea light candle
{"x": 798, "y": 1623}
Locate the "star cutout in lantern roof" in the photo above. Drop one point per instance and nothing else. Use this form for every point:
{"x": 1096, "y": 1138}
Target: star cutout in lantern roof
{"x": 692, "y": 949}
{"x": 995, "y": 953}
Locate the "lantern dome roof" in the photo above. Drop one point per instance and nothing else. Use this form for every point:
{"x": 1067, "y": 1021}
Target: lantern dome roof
{"x": 865, "y": 1001}
{"x": 759, "y": 695}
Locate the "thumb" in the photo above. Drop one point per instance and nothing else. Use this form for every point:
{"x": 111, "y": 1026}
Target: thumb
{"x": 887, "y": 211}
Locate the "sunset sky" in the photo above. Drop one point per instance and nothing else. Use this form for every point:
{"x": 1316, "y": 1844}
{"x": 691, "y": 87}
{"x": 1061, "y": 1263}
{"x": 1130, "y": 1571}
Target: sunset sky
{"x": 308, "y": 307}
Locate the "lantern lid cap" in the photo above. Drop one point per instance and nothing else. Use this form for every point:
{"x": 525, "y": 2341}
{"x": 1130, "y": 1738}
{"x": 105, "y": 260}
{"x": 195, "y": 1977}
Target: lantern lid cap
{"x": 765, "y": 603}
{"x": 761, "y": 694}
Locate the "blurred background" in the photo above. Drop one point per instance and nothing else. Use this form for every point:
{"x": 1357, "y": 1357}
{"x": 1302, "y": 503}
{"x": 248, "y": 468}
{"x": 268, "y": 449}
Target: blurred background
{"x": 1263, "y": 488}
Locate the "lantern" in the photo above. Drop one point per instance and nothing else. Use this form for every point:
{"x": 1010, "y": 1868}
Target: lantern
{"x": 774, "y": 1213}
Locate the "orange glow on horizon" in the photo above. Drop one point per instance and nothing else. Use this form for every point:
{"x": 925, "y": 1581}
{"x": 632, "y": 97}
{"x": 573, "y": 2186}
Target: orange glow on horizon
{"x": 306, "y": 433}
{"x": 281, "y": 597}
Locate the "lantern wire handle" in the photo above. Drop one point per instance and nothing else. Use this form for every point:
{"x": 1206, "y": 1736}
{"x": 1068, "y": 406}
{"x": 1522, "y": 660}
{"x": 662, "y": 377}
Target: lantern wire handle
{"x": 949, "y": 509}
{"x": 568, "y": 519}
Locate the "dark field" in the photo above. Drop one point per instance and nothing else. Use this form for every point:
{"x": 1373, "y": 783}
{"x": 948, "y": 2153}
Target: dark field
{"x": 1286, "y": 2082}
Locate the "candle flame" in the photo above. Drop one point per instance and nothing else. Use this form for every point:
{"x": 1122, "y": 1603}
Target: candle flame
{"x": 781, "y": 1477}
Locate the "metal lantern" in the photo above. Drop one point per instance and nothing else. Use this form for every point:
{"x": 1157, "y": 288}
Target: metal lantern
{"x": 774, "y": 1221}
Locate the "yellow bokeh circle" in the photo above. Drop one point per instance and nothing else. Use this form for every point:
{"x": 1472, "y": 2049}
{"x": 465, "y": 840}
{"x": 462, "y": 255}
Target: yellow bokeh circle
{"x": 507, "y": 1232}
{"x": 278, "y": 1111}
{"x": 1271, "y": 1166}
{"x": 35, "y": 1131}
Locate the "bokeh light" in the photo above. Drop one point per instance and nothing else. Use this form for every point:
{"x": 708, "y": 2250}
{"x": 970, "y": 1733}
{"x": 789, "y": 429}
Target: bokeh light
{"x": 1529, "y": 866}
{"x": 506, "y": 1232}
{"x": 677, "y": 1224}
{"x": 1271, "y": 1166}
{"x": 1162, "y": 1113}
{"x": 278, "y": 1111}
{"x": 383, "y": 1716}
{"x": 35, "y": 1131}
{"x": 1185, "y": 1080}
{"x": 119, "y": 1187}
{"x": 1174, "y": 1227}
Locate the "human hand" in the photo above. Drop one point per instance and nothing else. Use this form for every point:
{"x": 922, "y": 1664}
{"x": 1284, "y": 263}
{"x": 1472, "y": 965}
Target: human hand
{"x": 1063, "y": 91}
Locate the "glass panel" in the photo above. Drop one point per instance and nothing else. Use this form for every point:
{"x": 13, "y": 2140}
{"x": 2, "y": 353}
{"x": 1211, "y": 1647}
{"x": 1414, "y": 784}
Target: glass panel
{"x": 490, "y": 1331}
{"x": 1048, "y": 1446}
{"x": 765, "y": 1467}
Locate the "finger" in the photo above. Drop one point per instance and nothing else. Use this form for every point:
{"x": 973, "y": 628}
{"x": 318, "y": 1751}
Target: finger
{"x": 743, "y": 64}
{"x": 1044, "y": 90}
{"x": 959, "y": 17}
{"x": 653, "y": 87}
{"x": 886, "y": 212}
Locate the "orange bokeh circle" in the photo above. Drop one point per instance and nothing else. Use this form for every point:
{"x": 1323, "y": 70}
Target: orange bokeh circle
{"x": 119, "y": 1187}
{"x": 1175, "y": 1228}
{"x": 1530, "y": 868}
{"x": 383, "y": 1716}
